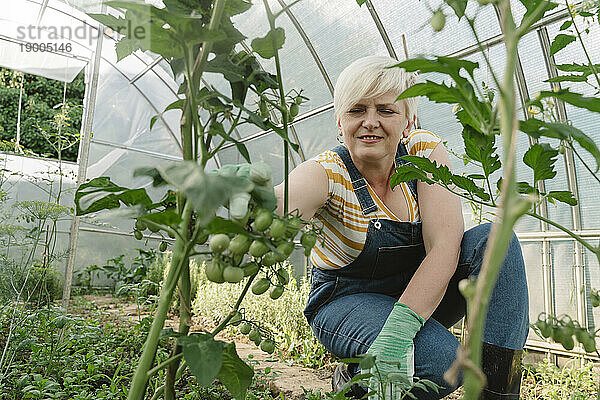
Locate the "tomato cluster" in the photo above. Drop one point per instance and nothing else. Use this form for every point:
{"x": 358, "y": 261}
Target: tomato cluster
{"x": 564, "y": 331}
{"x": 255, "y": 333}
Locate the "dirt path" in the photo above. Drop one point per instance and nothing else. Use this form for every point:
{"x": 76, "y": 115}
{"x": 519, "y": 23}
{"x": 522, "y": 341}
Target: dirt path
{"x": 287, "y": 379}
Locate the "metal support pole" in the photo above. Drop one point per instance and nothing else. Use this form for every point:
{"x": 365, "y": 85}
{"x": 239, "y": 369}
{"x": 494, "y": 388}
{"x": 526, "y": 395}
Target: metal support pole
{"x": 84, "y": 148}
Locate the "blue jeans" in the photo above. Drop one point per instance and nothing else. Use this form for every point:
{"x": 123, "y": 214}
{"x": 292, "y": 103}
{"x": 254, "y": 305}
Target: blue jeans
{"x": 347, "y": 325}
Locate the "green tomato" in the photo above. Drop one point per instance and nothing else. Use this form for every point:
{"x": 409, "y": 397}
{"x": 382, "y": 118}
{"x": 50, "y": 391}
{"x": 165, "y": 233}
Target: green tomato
{"x": 236, "y": 319}
{"x": 233, "y": 274}
{"x": 581, "y": 335}
{"x": 564, "y": 336}
{"x": 219, "y": 243}
{"x": 138, "y": 235}
{"x": 258, "y": 248}
{"x": 269, "y": 259}
{"x": 255, "y": 335}
{"x": 162, "y": 246}
{"x": 308, "y": 240}
{"x": 264, "y": 111}
{"x": 293, "y": 111}
{"x": 261, "y": 286}
{"x": 276, "y": 292}
{"x": 245, "y": 328}
{"x": 595, "y": 297}
{"x": 239, "y": 245}
{"x": 283, "y": 276}
{"x": 590, "y": 344}
{"x": 286, "y": 249}
{"x": 154, "y": 229}
{"x": 545, "y": 328}
{"x": 214, "y": 271}
{"x": 277, "y": 229}
{"x": 250, "y": 268}
{"x": 293, "y": 227}
{"x": 267, "y": 346}
{"x": 140, "y": 225}
{"x": 298, "y": 100}
{"x": 263, "y": 220}
{"x": 438, "y": 20}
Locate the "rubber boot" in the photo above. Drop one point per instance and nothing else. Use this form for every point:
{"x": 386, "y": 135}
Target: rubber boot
{"x": 341, "y": 376}
{"x": 502, "y": 367}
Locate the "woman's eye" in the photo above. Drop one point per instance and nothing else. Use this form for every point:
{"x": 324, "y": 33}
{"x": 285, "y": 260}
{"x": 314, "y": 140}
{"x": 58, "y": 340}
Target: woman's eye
{"x": 386, "y": 111}
{"x": 355, "y": 110}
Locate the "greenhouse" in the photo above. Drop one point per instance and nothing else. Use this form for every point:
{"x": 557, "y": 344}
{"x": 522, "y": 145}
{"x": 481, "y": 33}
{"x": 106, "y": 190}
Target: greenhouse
{"x": 159, "y": 176}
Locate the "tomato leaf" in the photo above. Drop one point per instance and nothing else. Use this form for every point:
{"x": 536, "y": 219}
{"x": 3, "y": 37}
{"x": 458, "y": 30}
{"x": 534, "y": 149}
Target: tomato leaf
{"x": 568, "y": 78}
{"x": 481, "y": 148}
{"x": 235, "y": 374}
{"x": 541, "y": 158}
{"x": 576, "y": 99}
{"x": 102, "y": 194}
{"x": 537, "y": 128}
{"x": 560, "y": 42}
{"x": 267, "y": 45}
{"x": 458, "y": 6}
{"x": 203, "y": 355}
{"x": 167, "y": 217}
{"x": 564, "y": 196}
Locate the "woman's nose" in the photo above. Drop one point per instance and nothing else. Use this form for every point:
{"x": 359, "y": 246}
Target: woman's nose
{"x": 371, "y": 120}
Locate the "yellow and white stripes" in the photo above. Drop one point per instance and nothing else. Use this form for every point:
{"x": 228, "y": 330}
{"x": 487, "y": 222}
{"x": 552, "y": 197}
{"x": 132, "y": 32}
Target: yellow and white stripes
{"x": 344, "y": 225}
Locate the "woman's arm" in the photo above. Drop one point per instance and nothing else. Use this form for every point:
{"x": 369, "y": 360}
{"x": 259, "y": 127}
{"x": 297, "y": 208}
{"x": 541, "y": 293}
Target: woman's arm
{"x": 308, "y": 189}
{"x": 443, "y": 229}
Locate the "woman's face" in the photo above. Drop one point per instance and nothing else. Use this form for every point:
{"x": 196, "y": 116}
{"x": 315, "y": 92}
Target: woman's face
{"x": 372, "y": 128}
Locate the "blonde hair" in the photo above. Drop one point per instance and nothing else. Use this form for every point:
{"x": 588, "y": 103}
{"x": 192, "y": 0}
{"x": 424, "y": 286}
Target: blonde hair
{"x": 370, "y": 77}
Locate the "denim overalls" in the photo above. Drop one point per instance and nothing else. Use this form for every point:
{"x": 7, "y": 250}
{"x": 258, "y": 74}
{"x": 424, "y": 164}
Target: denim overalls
{"x": 347, "y": 308}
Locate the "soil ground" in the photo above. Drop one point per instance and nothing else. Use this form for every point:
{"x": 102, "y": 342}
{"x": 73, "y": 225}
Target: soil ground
{"x": 287, "y": 379}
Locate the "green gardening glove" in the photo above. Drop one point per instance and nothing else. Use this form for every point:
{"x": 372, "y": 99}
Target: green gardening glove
{"x": 394, "y": 351}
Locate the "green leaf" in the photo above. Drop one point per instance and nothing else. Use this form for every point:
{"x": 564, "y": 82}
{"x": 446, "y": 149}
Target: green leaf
{"x": 232, "y": 37}
{"x": 566, "y": 25}
{"x": 222, "y": 225}
{"x": 564, "y": 196}
{"x": 267, "y": 45}
{"x": 537, "y": 128}
{"x": 470, "y": 186}
{"x": 560, "y": 42}
{"x": 167, "y": 217}
{"x": 102, "y": 194}
{"x": 408, "y": 172}
{"x": 541, "y": 158}
{"x": 235, "y": 374}
{"x": 481, "y": 148}
{"x": 360, "y": 2}
{"x": 458, "y": 6}
{"x": 576, "y": 99}
{"x": 234, "y": 7}
{"x": 204, "y": 356}
{"x": 531, "y": 5}
{"x": 444, "y": 65}
{"x": 437, "y": 92}
{"x": 522, "y": 187}
{"x": 576, "y": 67}
{"x": 568, "y": 78}
{"x": 206, "y": 192}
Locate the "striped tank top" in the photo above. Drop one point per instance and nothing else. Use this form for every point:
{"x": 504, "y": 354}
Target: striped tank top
{"x": 344, "y": 227}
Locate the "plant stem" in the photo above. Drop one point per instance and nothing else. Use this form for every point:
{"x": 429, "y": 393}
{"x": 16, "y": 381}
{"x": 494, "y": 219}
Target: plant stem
{"x": 583, "y": 162}
{"x": 164, "y": 364}
{"x": 283, "y": 109}
{"x": 511, "y": 209}
{"x": 223, "y": 323}
{"x": 180, "y": 255}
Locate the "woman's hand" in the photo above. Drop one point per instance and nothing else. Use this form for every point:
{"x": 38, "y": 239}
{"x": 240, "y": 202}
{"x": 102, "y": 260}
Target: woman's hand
{"x": 394, "y": 350}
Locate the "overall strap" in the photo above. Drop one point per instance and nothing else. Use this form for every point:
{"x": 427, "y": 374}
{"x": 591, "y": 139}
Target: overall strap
{"x": 358, "y": 182}
{"x": 399, "y": 161}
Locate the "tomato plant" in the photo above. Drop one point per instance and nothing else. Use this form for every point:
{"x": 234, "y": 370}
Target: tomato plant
{"x": 251, "y": 241}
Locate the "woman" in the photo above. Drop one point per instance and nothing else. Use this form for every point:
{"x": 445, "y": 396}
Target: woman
{"x": 384, "y": 279}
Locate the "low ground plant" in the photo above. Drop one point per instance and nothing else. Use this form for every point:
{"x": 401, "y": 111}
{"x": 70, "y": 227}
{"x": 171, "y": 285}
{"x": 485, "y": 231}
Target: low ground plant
{"x": 546, "y": 381}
